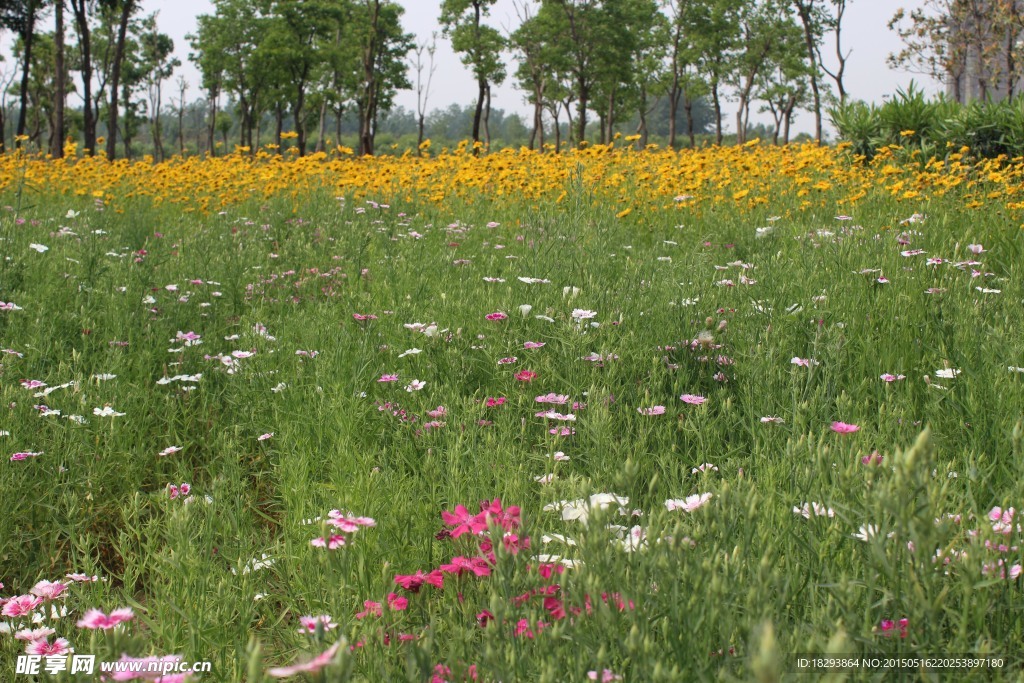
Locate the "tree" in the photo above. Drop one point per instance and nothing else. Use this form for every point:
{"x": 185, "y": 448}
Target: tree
{"x": 375, "y": 31}
{"x": 480, "y": 46}
{"x": 20, "y": 16}
{"x": 767, "y": 35}
{"x": 299, "y": 35}
{"x": 836, "y": 25}
{"x": 156, "y": 66}
{"x": 61, "y": 78}
{"x": 127, "y": 8}
{"x": 82, "y": 10}
{"x": 971, "y": 45}
{"x": 533, "y": 74}
{"x": 423, "y": 86}
{"x": 716, "y": 27}
{"x": 813, "y": 20}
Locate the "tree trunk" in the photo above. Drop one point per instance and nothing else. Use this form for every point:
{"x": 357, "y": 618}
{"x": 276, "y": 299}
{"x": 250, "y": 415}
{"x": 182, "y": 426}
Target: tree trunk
{"x": 279, "y": 126}
{"x": 322, "y": 128}
{"x": 80, "y": 8}
{"x": 805, "y": 19}
{"x": 673, "y": 111}
{"x": 688, "y": 106}
{"x": 122, "y": 31}
{"x": 212, "y": 128}
{"x": 581, "y": 120}
{"x": 718, "y": 113}
{"x": 478, "y": 114}
{"x": 487, "y": 117}
{"x": 60, "y": 89}
{"x": 28, "y": 39}
{"x": 158, "y": 138}
{"x": 610, "y": 118}
{"x": 420, "y": 125}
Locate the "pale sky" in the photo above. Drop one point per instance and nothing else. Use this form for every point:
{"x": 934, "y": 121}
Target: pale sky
{"x": 865, "y": 31}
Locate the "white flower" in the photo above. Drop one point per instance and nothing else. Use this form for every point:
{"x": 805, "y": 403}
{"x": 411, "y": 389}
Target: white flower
{"x": 415, "y": 385}
{"x": 106, "y": 411}
{"x": 817, "y": 509}
{"x": 525, "y": 309}
{"x": 41, "y": 248}
{"x": 947, "y": 373}
{"x": 410, "y": 352}
{"x": 690, "y": 504}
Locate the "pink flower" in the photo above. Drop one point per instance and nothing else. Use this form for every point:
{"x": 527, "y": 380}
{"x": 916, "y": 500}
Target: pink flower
{"x": 975, "y": 248}
{"x": 364, "y": 317}
{"x": 844, "y": 428}
{"x": 388, "y": 378}
{"x": 606, "y": 676}
{"x": 169, "y": 450}
{"x": 459, "y": 565}
{"x": 887, "y": 377}
{"x": 440, "y": 411}
{"x": 875, "y": 458}
{"x": 559, "y": 399}
{"x": 654, "y": 410}
{"x": 497, "y": 315}
{"x": 692, "y": 399}
{"x": 48, "y": 590}
{"x": 309, "y": 624}
{"x": 495, "y": 402}
{"x": 142, "y": 664}
{"x": 371, "y": 609}
{"x": 332, "y": 542}
{"x": 533, "y": 345}
{"x": 264, "y": 437}
{"x": 95, "y": 619}
{"x": 48, "y": 649}
{"x": 803, "y": 362}
{"x": 25, "y": 455}
{"x": 20, "y": 605}
{"x": 526, "y": 375}
{"x": 315, "y": 664}
{"x": 36, "y": 634}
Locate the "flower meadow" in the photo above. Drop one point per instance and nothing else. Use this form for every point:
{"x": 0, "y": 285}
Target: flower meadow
{"x": 608, "y": 415}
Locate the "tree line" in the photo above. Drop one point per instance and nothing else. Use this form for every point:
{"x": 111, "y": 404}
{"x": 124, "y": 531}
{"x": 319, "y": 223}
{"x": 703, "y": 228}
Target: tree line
{"x": 314, "y": 69}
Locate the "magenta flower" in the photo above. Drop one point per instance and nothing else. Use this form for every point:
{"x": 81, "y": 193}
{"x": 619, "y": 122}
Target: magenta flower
{"x": 169, "y": 450}
{"x": 654, "y": 410}
{"x": 388, "y": 378}
{"x": 559, "y": 399}
{"x": 526, "y": 375}
{"x": 889, "y": 377}
{"x": 507, "y": 361}
{"x": 888, "y": 627}
{"x": 264, "y": 437}
{"x": 692, "y": 399}
{"x": 371, "y": 609}
{"x": 844, "y": 428}
{"x": 315, "y": 664}
{"x": 606, "y": 676}
{"x": 533, "y": 345}
{"x": 20, "y": 605}
{"x": 497, "y": 315}
{"x": 95, "y": 619}
{"x": 494, "y": 402}
{"x": 397, "y": 603}
{"x": 413, "y": 582}
{"x": 48, "y": 649}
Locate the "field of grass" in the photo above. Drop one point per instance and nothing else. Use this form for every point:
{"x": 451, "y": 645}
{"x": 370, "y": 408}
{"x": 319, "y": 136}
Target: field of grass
{"x": 599, "y": 416}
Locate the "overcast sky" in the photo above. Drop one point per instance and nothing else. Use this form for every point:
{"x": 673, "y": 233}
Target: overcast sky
{"x": 865, "y": 32}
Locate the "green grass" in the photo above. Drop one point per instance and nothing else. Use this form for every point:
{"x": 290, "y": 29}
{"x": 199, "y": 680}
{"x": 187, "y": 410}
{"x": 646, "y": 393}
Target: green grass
{"x": 731, "y": 591}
